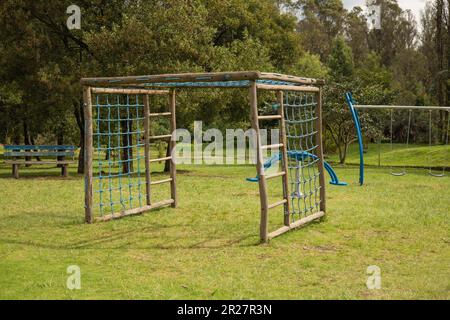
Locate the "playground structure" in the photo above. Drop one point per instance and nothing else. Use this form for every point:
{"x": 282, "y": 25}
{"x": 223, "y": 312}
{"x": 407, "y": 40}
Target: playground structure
{"x": 118, "y": 113}
{"x": 301, "y": 156}
{"x": 356, "y": 119}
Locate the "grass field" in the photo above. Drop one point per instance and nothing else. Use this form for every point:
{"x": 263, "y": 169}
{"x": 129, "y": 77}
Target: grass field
{"x": 209, "y": 248}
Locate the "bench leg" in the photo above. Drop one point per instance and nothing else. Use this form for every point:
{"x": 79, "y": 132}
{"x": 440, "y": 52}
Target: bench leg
{"x": 64, "y": 171}
{"x": 15, "y": 171}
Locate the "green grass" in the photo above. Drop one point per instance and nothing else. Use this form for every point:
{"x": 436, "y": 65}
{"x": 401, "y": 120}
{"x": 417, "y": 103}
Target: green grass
{"x": 208, "y": 247}
{"x": 413, "y": 156}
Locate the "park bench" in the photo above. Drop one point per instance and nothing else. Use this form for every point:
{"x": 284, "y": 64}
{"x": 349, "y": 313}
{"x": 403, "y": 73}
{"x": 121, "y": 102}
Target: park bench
{"x": 45, "y": 155}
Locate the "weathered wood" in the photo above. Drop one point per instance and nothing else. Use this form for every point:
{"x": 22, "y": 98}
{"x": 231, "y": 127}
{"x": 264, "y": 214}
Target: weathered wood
{"x": 37, "y": 163}
{"x": 160, "y": 159}
{"x": 296, "y": 225}
{"x": 199, "y": 77}
{"x": 133, "y": 212}
{"x": 173, "y": 166}
{"x": 147, "y": 149}
{"x": 264, "y": 223}
{"x": 287, "y": 88}
{"x": 39, "y": 154}
{"x": 128, "y": 91}
{"x": 285, "y": 163}
{"x": 154, "y": 183}
{"x": 268, "y": 118}
{"x": 65, "y": 171}
{"x": 277, "y": 204}
{"x": 15, "y": 171}
{"x": 167, "y": 78}
{"x": 276, "y": 175}
{"x": 36, "y": 147}
{"x": 162, "y": 137}
{"x": 162, "y": 114}
{"x": 319, "y": 142}
{"x": 272, "y": 147}
{"x": 88, "y": 154}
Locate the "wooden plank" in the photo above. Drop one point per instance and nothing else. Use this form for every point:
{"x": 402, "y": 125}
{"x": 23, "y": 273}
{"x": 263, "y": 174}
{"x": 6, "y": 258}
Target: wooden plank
{"x": 15, "y": 171}
{"x": 290, "y": 78}
{"x": 162, "y": 137}
{"x": 285, "y": 163}
{"x": 88, "y": 154}
{"x": 319, "y": 142}
{"x": 160, "y": 159}
{"x": 277, "y": 204}
{"x": 154, "y": 183}
{"x": 173, "y": 166}
{"x": 147, "y": 149}
{"x": 296, "y": 225}
{"x": 133, "y": 212}
{"x": 30, "y": 148}
{"x": 273, "y": 146}
{"x": 180, "y": 77}
{"x": 162, "y": 114}
{"x": 128, "y": 91}
{"x": 264, "y": 222}
{"x": 65, "y": 171}
{"x": 276, "y": 175}
{"x": 287, "y": 88}
{"x": 268, "y": 118}
{"x": 37, "y": 163}
{"x": 39, "y": 154}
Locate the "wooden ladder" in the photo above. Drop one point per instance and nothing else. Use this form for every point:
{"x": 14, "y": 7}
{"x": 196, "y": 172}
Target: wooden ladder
{"x": 172, "y": 144}
{"x": 263, "y": 178}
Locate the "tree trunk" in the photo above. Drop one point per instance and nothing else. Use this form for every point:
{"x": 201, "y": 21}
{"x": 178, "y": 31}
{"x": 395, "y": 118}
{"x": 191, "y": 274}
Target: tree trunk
{"x": 440, "y": 59}
{"x": 60, "y": 142}
{"x": 127, "y": 144}
{"x": 79, "y": 116}
{"x": 26, "y": 139}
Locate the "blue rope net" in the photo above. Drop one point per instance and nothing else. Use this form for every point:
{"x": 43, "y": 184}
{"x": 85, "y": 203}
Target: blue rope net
{"x": 301, "y": 132}
{"x": 119, "y": 171}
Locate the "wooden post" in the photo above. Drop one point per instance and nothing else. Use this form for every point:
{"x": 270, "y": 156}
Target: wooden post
{"x": 264, "y": 224}
{"x": 64, "y": 170}
{"x": 15, "y": 171}
{"x": 88, "y": 154}
{"x": 319, "y": 142}
{"x": 173, "y": 166}
{"x": 284, "y": 150}
{"x": 147, "y": 148}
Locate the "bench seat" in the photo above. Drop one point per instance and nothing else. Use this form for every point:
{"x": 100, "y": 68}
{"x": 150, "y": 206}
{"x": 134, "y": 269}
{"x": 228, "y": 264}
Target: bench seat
{"x": 59, "y": 153}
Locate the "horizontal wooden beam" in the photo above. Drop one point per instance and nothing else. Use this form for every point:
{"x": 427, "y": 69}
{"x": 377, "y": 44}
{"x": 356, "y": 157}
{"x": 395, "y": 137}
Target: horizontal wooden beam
{"x": 277, "y": 204}
{"x": 272, "y": 146}
{"x": 268, "y": 118}
{"x": 289, "y": 78}
{"x": 160, "y": 159}
{"x": 154, "y": 183}
{"x": 166, "y": 136}
{"x": 162, "y": 114}
{"x": 37, "y": 163}
{"x": 133, "y": 212}
{"x": 39, "y": 154}
{"x": 287, "y": 88}
{"x": 297, "y": 224}
{"x": 276, "y": 175}
{"x": 128, "y": 91}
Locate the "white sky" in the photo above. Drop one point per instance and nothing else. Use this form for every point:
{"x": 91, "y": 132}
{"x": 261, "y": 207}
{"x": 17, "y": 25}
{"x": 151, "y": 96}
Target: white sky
{"x": 415, "y": 5}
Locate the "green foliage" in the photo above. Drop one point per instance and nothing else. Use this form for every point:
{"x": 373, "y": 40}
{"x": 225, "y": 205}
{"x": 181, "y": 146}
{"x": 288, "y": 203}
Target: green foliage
{"x": 341, "y": 60}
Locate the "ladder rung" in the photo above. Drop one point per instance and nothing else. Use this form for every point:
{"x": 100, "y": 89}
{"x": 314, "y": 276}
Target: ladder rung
{"x": 278, "y": 204}
{"x": 276, "y": 175}
{"x": 167, "y": 136}
{"x": 271, "y": 117}
{"x": 160, "y": 159}
{"x": 273, "y": 146}
{"x": 161, "y": 181}
{"x": 162, "y": 114}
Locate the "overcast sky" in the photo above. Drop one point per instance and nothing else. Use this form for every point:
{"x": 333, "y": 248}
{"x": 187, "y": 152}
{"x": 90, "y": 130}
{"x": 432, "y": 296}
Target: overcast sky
{"x": 415, "y": 5}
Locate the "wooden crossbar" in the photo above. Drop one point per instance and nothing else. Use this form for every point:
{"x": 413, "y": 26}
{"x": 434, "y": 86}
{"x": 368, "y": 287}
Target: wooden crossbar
{"x": 160, "y": 159}
{"x": 273, "y": 146}
{"x": 271, "y": 117}
{"x": 39, "y": 154}
{"x": 296, "y": 224}
{"x": 276, "y": 175}
{"x": 154, "y": 183}
{"x": 277, "y": 204}
{"x": 23, "y": 162}
{"x": 166, "y": 136}
{"x": 133, "y": 212}
{"x": 162, "y": 114}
